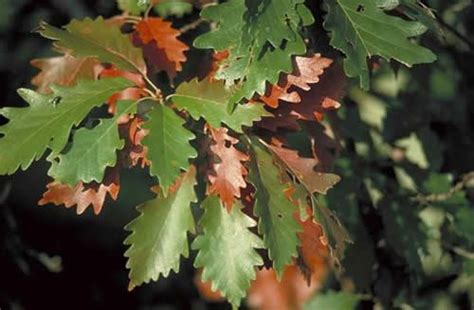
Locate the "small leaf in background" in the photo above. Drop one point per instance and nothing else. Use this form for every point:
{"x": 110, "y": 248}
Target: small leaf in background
{"x": 273, "y": 209}
{"x": 229, "y": 172}
{"x": 227, "y": 249}
{"x": 96, "y": 38}
{"x": 168, "y": 145}
{"x": 83, "y": 195}
{"x": 63, "y": 70}
{"x": 209, "y": 100}
{"x": 154, "y": 30}
{"x": 334, "y": 301}
{"x": 158, "y": 235}
{"x": 290, "y": 292}
{"x": 178, "y": 8}
{"x": 47, "y": 122}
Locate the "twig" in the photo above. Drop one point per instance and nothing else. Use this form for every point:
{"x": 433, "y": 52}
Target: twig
{"x": 453, "y": 30}
{"x": 192, "y": 25}
{"x": 462, "y": 252}
{"x": 459, "y": 186}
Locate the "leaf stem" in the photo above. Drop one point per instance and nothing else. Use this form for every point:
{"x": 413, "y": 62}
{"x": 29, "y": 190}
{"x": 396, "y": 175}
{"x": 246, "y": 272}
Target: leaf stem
{"x": 191, "y": 26}
{"x": 148, "y": 10}
{"x": 156, "y": 91}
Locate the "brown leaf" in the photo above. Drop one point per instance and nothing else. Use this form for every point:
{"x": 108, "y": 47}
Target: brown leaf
{"x": 131, "y": 93}
{"x": 323, "y": 97}
{"x": 307, "y": 71}
{"x": 229, "y": 171}
{"x": 169, "y": 51}
{"x": 63, "y": 70}
{"x": 205, "y": 289}
{"x": 267, "y": 293}
{"x": 303, "y": 169}
{"x": 313, "y": 258}
{"x": 134, "y": 153}
{"x": 83, "y": 195}
{"x": 217, "y": 58}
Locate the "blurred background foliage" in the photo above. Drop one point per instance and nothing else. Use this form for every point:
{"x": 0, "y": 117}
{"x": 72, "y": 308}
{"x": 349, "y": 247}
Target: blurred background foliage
{"x": 406, "y": 194}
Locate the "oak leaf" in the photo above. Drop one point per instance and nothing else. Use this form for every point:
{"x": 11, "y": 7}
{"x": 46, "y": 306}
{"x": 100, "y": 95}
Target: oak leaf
{"x": 168, "y": 48}
{"x": 267, "y": 293}
{"x": 229, "y": 171}
{"x": 131, "y": 93}
{"x": 134, "y": 153}
{"x": 304, "y": 170}
{"x": 307, "y": 71}
{"x": 83, "y": 195}
{"x": 63, "y": 70}
{"x": 322, "y": 97}
{"x": 313, "y": 258}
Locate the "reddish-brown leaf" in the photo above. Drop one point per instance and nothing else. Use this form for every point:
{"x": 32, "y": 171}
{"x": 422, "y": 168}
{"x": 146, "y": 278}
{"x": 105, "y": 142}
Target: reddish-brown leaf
{"x": 168, "y": 53}
{"x": 267, "y": 293}
{"x": 307, "y": 71}
{"x": 304, "y": 170}
{"x": 205, "y": 289}
{"x": 314, "y": 253}
{"x": 323, "y": 97}
{"x": 217, "y": 58}
{"x": 229, "y": 171}
{"x": 131, "y": 93}
{"x": 63, "y": 70}
{"x": 134, "y": 153}
{"x": 83, "y": 195}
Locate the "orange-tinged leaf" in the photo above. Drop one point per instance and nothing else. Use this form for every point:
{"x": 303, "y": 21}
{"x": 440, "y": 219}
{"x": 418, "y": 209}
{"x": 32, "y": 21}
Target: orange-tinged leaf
{"x": 134, "y": 153}
{"x": 314, "y": 251}
{"x": 63, "y": 70}
{"x": 217, "y": 58}
{"x": 131, "y": 93}
{"x": 304, "y": 170}
{"x": 307, "y": 71}
{"x": 229, "y": 171}
{"x": 205, "y": 289}
{"x": 267, "y": 293}
{"x": 83, "y": 195}
{"x": 322, "y": 97}
{"x": 168, "y": 48}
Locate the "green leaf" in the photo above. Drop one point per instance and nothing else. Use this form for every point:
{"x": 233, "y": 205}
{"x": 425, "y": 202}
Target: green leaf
{"x": 176, "y": 8}
{"x": 168, "y": 145}
{"x": 405, "y": 232}
{"x": 159, "y": 234}
{"x": 227, "y": 249}
{"x": 274, "y": 210}
{"x": 334, "y": 301}
{"x": 209, "y": 100}
{"x": 254, "y": 33}
{"x": 97, "y": 38}
{"x": 360, "y": 30}
{"x": 130, "y": 6}
{"x": 48, "y": 120}
{"x": 92, "y": 151}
